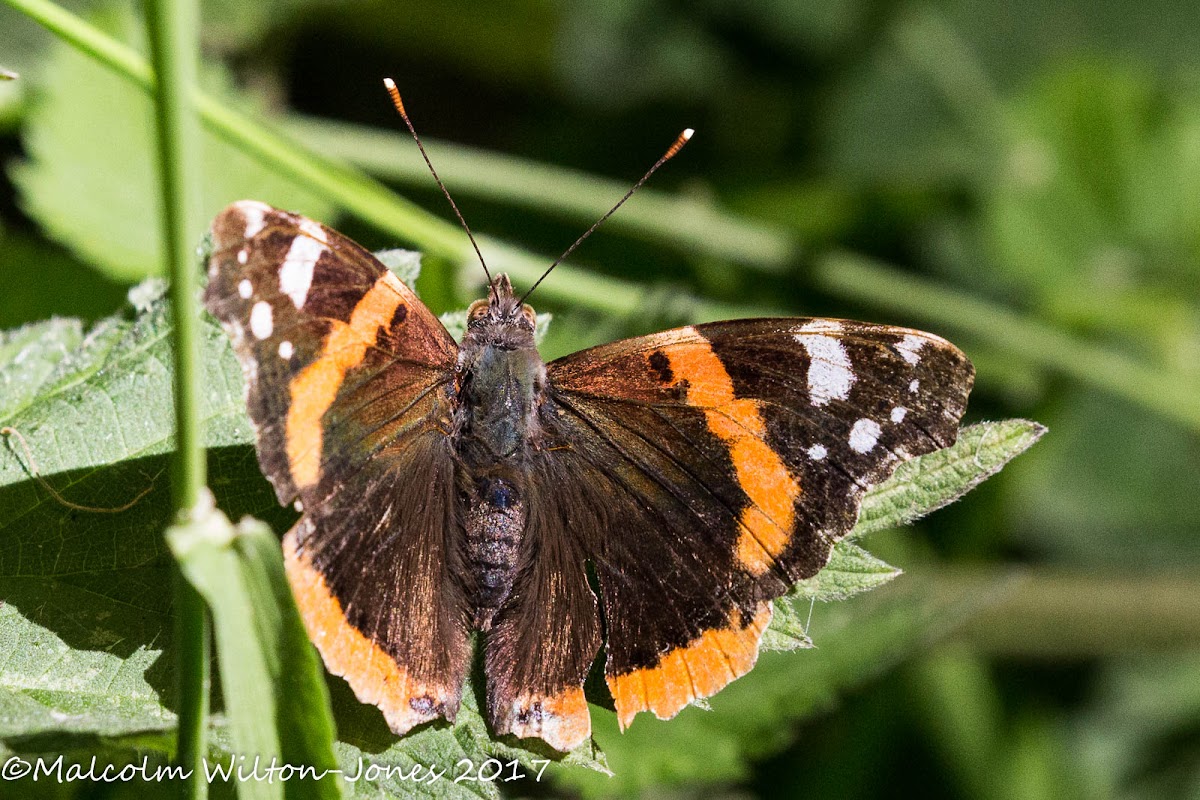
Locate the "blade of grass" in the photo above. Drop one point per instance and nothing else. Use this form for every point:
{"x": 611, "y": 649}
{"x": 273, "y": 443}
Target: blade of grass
{"x": 1176, "y": 397}
{"x": 172, "y": 28}
{"x": 276, "y": 701}
{"x": 688, "y": 223}
{"x": 1053, "y": 614}
{"x": 365, "y": 197}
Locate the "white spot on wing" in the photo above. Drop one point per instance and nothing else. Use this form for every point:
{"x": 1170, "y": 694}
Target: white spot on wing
{"x": 243, "y": 256}
{"x": 245, "y": 288}
{"x": 909, "y": 348}
{"x": 829, "y": 373}
{"x": 314, "y": 230}
{"x": 898, "y": 414}
{"x": 296, "y": 274}
{"x": 817, "y": 452}
{"x": 255, "y": 215}
{"x": 286, "y": 350}
{"x": 820, "y": 326}
{"x": 864, "y": 435}
{"x": 261, "y": 323}
{"x": 912, "y": 387}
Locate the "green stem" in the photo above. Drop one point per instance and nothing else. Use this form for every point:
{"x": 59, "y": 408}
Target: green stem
{"x": 172, "y": 27}
{"x": 366, "y": 198}
{"x": 1054, "y": 614}
{"x": 87, "y": 40}
{"x": 690, "y": 224}
{"x": 193, "y": 684}
{"x": 1173, "y": 396}
{"x": 178, "y": 145}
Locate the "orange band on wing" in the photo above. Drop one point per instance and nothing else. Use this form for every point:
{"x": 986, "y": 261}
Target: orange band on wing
{"x": 314, "y": 390}
{"x": 375, "y": 678}
{"x": 700, "y": 669}
{"x": 561, "y": 720}
{"x": 772, "y": 490}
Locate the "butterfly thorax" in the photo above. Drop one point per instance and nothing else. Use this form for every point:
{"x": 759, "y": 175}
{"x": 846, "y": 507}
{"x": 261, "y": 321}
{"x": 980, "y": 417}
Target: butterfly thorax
{"x": 498, "y": 385}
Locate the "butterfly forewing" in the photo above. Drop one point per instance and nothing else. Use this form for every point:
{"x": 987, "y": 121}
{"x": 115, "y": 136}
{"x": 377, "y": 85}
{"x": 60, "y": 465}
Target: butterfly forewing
{"x": 305, "y": 307}
{"x": 347, "y": 378}
{"x": 743, "y": 450}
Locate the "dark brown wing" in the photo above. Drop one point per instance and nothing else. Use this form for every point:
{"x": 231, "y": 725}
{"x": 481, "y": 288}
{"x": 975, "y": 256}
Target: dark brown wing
{"x": 347, "y": 375}
{"x": 546, "y": 635}
{"x": 718, "y": 464}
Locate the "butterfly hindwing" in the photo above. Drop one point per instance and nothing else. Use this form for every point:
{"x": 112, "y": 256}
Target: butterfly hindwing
{"x": 348, "y": 376}
{"x": 740, "y": 452}
{"x": 547, "y": 634}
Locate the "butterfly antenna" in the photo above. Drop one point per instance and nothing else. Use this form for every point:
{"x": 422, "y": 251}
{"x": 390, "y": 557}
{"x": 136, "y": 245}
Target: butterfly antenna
{"x": 680, "y": 141}
{"x": 399, "y": 104}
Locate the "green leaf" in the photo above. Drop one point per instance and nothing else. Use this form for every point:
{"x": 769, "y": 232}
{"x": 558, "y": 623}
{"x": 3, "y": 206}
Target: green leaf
{"x": 274, "y": 689}
{"x": 850, "y": 571}
{"x": 29, "y": 354}
{"x": 108, "y": 402}
{"x": 927, "y": 483}
{"x": 84, "y": 603}
{"x": 85, "y": 594}
{"x": 90, "y": 182}
{"x": 405, "y": 264}
{"x": 918, "y": 487}
{"x": 84, "y": 609}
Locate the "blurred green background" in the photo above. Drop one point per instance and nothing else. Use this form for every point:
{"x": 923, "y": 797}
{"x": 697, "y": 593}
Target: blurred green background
{"x": 1022, "y": 178}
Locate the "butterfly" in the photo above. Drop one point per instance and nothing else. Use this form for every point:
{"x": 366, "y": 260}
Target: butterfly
{"x": 648, "y": 497}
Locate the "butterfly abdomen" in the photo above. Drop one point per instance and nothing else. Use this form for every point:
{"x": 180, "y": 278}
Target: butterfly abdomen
{"x": 495, "y": 524}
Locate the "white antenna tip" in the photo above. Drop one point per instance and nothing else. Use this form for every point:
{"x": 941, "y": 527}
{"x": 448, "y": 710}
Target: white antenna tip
{"x": 687, "y": 134}
{"x": 389, "y": 83}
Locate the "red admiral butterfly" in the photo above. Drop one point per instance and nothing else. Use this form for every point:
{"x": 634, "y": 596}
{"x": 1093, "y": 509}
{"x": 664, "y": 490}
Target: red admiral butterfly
{"x": 651, "y": 496}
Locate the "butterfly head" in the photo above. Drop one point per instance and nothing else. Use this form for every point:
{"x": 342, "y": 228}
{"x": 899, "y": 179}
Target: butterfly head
{"x": 501, "y": 317}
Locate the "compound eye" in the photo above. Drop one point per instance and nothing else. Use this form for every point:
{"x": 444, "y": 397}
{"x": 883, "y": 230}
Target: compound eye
{"x": 529, "y": 314}
{"x": 477, "y": 310}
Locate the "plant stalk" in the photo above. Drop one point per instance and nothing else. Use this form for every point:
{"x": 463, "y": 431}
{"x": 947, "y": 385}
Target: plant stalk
{"x": 173, "y": 26}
